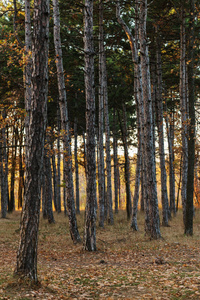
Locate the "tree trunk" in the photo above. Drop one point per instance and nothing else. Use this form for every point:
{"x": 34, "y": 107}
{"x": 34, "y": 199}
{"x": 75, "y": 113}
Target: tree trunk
{"x": 107, "y": 133}
{"x": 127, "y": 165}
{"x": 58, "y": 163}
{"x": 170, "y": 138}
{"x": 116, "y": 179}
{"x": 3, "y": 186}
{"x": 184, "y": 112}
{"x": 48, "y": 191}
{"x": 159, "y": 113}
{"x": 191, "y": 131}
{"x": 134, "y": 225}
{"x": 90, "y": 211}
{"x": 11, "y": 205}
{"x": 54, "y": 174}
{"x": 65, "y": 126}
{"x": 21, "y": 171}
{"x": 76, "y": 166}
{"x": 148, "y": 126}
{"x": 28, "y": 69}
{"x": 101, "y": 118}
{"x": 27, "y": 253}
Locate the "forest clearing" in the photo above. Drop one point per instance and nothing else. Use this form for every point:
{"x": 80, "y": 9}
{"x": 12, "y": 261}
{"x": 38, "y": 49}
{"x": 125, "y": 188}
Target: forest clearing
{"x": 126, "y": 264}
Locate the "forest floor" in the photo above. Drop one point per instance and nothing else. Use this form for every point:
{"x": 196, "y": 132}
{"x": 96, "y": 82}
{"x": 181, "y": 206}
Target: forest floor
{"x": 126, "y": 264}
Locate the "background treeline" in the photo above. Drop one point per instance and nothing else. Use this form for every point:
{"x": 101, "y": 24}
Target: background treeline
{"x": 173, "y": 41}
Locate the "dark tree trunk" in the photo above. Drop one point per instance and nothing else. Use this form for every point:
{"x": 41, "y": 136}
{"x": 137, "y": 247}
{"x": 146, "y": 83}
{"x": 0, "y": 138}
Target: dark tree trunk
{"x": 76, "y": 166}
{"x": 127, "y": 165}
{"x": 65, "y": 127}
{"x": 191, "y": 132}
{"x": 101, "y": 173}
{"x": 116, "y": 179}
{"x": 54, "y": 174}
{"x": 27, "y": 252}
{"x": 159, "y": 114}
{"x": 48, "y": 191}
{"x": 148, "y": 127}
{"x": 11, "y": 205}
{"x": 90, "y": 211}
{"x": 21, "y": 171}
{"x": 58, "y": 163}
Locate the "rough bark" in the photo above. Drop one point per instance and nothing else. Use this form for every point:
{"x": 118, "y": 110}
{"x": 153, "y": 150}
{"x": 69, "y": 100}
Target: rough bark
{"x": 90, "y": 211}
{"x": 189, "y": 213}
{"x": 159, "y": 114}
{"x": 48, "y": 191}
{"x": 65, "y": 127}
{"x": 27, "y": 252}
{"x": 101, "y": 118}
{"x": 170, "y": 138}
{"x": 148, "y": 126}
{"x": 107, "y": 133}
{"x": 184, "y": 112}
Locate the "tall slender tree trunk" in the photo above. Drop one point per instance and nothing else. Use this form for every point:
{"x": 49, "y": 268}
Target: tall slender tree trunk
{"x": 21, "y": 171}
{"x": 76, "y": 165}
{"x": 115, "y": 154}
{"x": 170, "y": 138}
{"x": 27, "y": 252}
{"x": 65, "y": 126}
{"x": 159, "y": 113}
{"x": 48, "y": 191}
{"x": 184, "y": 112}
{"x": 90, "y": 211}
{"x": 191, "y": 130}
{"x": 54, "y": 174}
{"x": 127, "y": 165}
{"x": 3, "y": 186}
{"x": 148, "y": 126}
{"x": 134, "y": 225}
{"x": 101, "y": 118}
{"x": 107, "y": 133}
{"x": 58, "y": 162}
{"x": 11, "y": 205}
{"x": 139, "y": 97}
{"x": 28, "y": 69}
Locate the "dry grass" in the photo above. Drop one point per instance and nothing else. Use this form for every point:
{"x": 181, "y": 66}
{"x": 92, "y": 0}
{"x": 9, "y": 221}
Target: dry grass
{"x": 126, "y": 264}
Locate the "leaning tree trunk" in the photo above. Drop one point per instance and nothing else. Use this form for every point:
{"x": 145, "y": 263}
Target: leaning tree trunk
{"x": 159, "y": 113}
{"x": 27, "y": 252}
{"x": 101, "y": 118}
{"x": 148, "y": 126}
{"x": 65, "y": 126}
{"x": 189, "y": 213}
{"x": 90, "y": 211}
